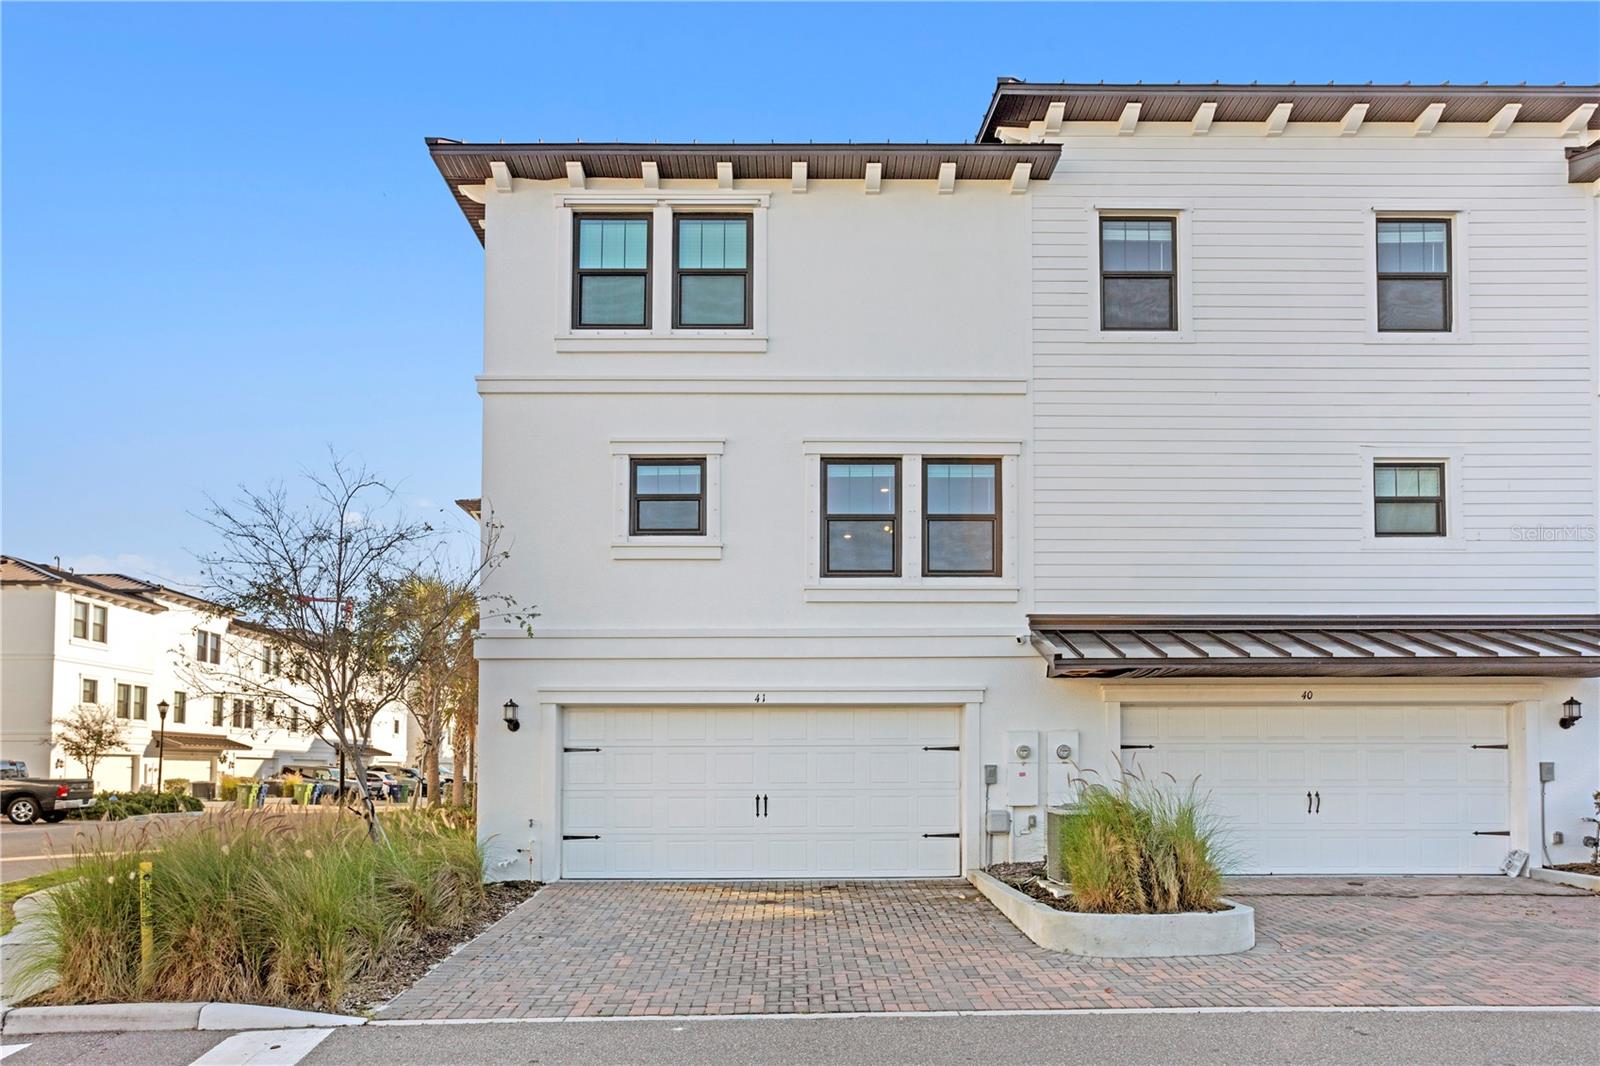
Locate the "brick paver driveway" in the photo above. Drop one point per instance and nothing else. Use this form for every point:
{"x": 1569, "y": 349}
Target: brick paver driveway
{"x": 652, "y": 948}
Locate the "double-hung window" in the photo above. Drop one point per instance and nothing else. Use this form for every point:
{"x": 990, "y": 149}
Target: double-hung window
{"x": 141, "y": 702}
{"x": 88, "y": 621}
{"x": 124, "y": 701}
{"x": 1408, "y": 499}
{"x": 207, "y": 647}
{"x": 667, "y": 498}
{"x": 218, "y": 710}
{"x": 180, "y": 708}
{"x": 961, "y": 517}
{"x": 711, "y": 272}
{"x": 1413, "y": 275}
{"x": 90, "y": 691}
{"x": 611, "y": 272}
{"x": 860, "y": 517}
{"x": 1138, "y": 274}
{"x": 97, "y": 625}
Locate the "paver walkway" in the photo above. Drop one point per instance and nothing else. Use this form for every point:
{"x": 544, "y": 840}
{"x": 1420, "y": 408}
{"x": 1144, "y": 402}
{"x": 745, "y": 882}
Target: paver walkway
{"x": 652, "y": 948}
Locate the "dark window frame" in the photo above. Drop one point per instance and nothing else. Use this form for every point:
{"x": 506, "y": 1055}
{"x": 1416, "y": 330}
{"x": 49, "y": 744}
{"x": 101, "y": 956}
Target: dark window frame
{"x": 1447, "y": 275}
{"x": 141, "y": 703}
{"x": 636, "y": 461}
{"x": 180, "y": 708}
{"x": 827, "y": 516}
{"x": 1170, "y": 275}
{"x": 124, "y": 701}
{"x": 82, "y": 605}
{"x": 99, "y": 623}
{"x": 1441, "y": 527}
{"x": 579, "y": 273}
{"x": 89, "y": 690}
{"x": 994, "y": 519}
{"x": 219, "y": 712}
{"x": 748, "y": 273}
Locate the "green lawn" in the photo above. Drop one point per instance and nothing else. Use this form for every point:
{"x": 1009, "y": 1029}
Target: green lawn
{"x": 11, "y": 891}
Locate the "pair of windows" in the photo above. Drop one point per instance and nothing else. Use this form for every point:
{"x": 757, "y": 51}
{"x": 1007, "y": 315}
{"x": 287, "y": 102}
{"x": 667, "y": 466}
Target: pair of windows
{"x": 244, "y": 714}
{"x": 611, "y": 263}
{"x": 861, "y": 517}
{"x": 1139, "y": 274}
{"x": 88, "y": 621}
{"x": 207, "y": 646}
{"x": 133, "y": 702}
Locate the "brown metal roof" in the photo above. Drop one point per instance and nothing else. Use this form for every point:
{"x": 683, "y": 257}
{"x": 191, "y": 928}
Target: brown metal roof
{"x": 1018, "y": 103}
{"x": 118, "y": 587}
{"x": 468, "y": 164}
{"x": 199, "y": 743}
{"x": 1583, "y": 164}
{"x": 1135, "y": 646}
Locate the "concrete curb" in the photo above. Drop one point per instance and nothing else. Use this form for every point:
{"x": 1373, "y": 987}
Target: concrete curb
{"x": 128, "y": 1017}
{"x": 1565, "y": 877}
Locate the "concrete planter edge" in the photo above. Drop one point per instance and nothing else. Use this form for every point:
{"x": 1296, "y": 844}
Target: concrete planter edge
{"x": 1565, "y": 877}
{"x": 1122, "y": 936}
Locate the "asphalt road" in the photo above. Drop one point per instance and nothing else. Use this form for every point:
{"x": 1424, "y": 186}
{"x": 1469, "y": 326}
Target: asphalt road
{"x": 26, "y": 850}
{"x": 1317, "y": 1039}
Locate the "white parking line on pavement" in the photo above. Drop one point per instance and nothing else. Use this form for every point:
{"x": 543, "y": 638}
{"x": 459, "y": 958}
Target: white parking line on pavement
{"x": 264, "y": 1047}
{"x": 12, "y": 1049}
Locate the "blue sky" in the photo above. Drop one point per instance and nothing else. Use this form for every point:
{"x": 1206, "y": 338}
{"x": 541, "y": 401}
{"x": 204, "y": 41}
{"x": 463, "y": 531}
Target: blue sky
{"x": 224, "y": 248}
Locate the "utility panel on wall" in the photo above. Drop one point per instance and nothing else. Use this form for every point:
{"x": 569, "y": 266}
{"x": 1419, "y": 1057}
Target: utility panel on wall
{"x": 1061, "y": 772}
{"x": 1022, "y": 768}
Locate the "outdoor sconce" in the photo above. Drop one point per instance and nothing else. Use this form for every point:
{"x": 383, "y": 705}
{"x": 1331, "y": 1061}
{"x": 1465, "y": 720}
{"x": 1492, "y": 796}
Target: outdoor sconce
{"x": 61, "y": 764}
{"x": 511, "y": 716}
{"x": 1574, "y": 713}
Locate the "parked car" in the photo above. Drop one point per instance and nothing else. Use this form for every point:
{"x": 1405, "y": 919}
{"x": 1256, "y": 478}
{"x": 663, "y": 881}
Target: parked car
{"x": 382, "y": 784}
{"x": 29, "y": 799}
{"x": 419, "y": 780}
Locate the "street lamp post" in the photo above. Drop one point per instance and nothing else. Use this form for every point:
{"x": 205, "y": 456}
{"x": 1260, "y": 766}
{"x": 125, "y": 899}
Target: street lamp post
{"x": 161, "y": 745}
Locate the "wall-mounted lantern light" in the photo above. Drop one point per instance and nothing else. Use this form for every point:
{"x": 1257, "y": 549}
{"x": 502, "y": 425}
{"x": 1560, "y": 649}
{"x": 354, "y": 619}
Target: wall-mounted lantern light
{"x": 1574, "y": 713}
{"x": 511, "y": 716}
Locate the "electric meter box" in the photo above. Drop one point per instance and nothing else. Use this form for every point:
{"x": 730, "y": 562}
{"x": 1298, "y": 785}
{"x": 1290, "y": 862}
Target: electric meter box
{"x": 1022, "y": 768}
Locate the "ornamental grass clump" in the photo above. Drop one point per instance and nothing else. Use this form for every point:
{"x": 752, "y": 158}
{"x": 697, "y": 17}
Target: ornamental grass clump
{"x": 1139, "y": 847}
{"x": 262, "y": 907}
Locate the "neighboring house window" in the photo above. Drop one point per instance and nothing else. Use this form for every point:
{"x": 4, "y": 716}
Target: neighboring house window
{"x": 711, "y": 271}
{"x": 124, "y": 701}
{"x": 1138, "y": 274}
{"x": 860, "y": 517}
{"x": 80, "y": 620}
{"x": 218, "y": 710}
{"x": 961, "y": 517}
{"x": 1413, "y": 275}
{"x": 249, "y": 714}
{"x": 90, "y": 691}
{"x": 180, "y": 708}
{"x": 141, "y": 702}
{"x": 97, "y": 627}
{"x": 238, "y": 714}
{"x": 611, "y": 271}
{"x": 207, "y": 646}
{"x": 1408, "y": 499}
{"x": 668, "y": 497}
{"x": 397, "y": 727}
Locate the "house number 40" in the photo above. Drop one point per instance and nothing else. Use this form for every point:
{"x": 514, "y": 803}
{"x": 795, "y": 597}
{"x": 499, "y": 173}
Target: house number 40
{"x": 1306, "y": 695}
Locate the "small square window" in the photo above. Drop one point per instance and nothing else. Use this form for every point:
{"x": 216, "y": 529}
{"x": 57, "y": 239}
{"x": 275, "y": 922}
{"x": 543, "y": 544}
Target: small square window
{"x": 89, "y": 692}
{"x": 611, "y": 272}
{"x": 1413, "y": 275}
{"x": 667, "y": 497}
{"x": 1138, "y": 274}
{"x": 961, "y": 517}
{"x": 1408, "y": 499}
{"x": 861, "y": 517}
{"x": 711, "y": 272}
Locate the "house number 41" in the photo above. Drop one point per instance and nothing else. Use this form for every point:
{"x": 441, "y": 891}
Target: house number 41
{"x": 761, "y": 697}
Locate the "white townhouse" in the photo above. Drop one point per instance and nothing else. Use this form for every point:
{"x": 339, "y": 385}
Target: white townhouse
{"x": 870, "y": 495}
{"x": 68, "y": 639}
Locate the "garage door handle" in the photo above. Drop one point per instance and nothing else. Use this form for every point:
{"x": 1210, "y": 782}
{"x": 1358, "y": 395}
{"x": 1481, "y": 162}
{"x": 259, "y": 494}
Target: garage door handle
{"x": 1491, "y": 832}
{"x": 758, "y": 805}
{"x": 570, "y": 836}
{"x": 1319, "y": 803}
{"x": 1308, "y": 803}
{"x": 927, "y": 835}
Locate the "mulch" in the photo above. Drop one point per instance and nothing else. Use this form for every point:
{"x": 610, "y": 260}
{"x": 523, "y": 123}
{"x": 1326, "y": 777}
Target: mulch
{"x": 1025, "y": 878}
{"x": 371, "y": 992}
{"x": 1590, "y": 868}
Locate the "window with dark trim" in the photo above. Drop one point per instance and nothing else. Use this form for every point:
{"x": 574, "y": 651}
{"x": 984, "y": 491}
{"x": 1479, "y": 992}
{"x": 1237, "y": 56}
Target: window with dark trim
{"x": 1138, "y": 273}
{"x": 97, "y": 628}
{"x": 611, "y": 271}
{"x": 141, "y": 702}
{"x": 860, "y": 517}
{"x": 667, "y": 497}
{"x": 88, "y": 621}
{"x": 711, "y": 271}
{"x": 80, "y": 620}
{"x": 124, "y": 701}
{"x": 90, "y": 691}
{"x": 961, "y": 517}
{"x": 244, "y": 714}
{"x": 180, "y": 708}
{"x": 1408, "y": 499}
{"x": 1413, "y": 275}
{"x": 218, "y": 710}
{"x": 207, "y": 646}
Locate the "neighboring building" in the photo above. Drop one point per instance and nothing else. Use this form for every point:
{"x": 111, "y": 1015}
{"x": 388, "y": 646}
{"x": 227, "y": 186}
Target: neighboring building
{"x": 68, "y": 639}
{"x": 1266, "y": 416}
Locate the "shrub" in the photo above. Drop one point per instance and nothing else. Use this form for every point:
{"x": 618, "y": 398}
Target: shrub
{"x": 115, "y": 806}
{"x": 1141, "y": 848}
{"x": 180, "y": 785}
{"x": 262, "y": 907}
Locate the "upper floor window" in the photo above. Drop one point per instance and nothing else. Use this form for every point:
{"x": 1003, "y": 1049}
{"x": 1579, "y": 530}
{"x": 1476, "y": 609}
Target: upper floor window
{"x": 1413, "y": 275}
{"x": 89, "y": 691}
{"x": 961, "y": 517}
{"x": 88, "y": 621}
{"x": 860, "y": 517}
{"x": 668, "y": 497}
{"x": 141, "y": 702}
{"x": 1138, "y": 274}
{"x": 711, "y": 272}
{"x": 244, "y": 714}
{"x": 1408, "y": 499}
{"x": 180, "y": 708}
{"x": 218, "y": 710}
{"x": 207, "y": 646}
{"x": 611, "y": 272}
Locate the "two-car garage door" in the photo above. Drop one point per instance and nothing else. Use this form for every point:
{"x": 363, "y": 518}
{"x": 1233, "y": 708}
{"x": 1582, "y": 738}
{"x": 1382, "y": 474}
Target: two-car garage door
{"x": 687, "y": 792}
{"x": 1314, "y": 788}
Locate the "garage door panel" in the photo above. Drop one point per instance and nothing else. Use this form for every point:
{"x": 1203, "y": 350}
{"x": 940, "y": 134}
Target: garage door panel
{"x": 684, "y": 768}
{"x": 1141, "y": 724}
{"x": 1333, "y": 723}
{"x": 585, "y": 768}
{"x": 833, "y": 768}
{"x": 1285, "y": 764}
{"x": 628, "y": 768}
{"x": 733, "y": 725}
{"x": 891, "y": 767}
{"x": 936, "y": 726}
{"x": 1384, "y": 767}
{"x": 734, "y": 768}
{"x": 787, "y": 768}
{"x": 1486, "y": 766}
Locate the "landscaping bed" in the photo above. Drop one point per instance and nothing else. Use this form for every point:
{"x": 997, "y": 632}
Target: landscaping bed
{"x": 1025, "y": 877}
{"x": 1589, "y": 869}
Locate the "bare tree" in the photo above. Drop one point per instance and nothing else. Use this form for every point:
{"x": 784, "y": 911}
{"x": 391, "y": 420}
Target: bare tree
{"x": 437, "y": 622}
{"x": 322, "y": 586}
{"x": 91, "y": 732}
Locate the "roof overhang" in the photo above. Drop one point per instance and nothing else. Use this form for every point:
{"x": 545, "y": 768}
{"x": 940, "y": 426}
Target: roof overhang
{"x": 1017, "y": 104}
{"x": 463, "y": 164}
{"x": 197, "y": 743}
{"x": 1242, "y": 646}
{"x": 1583, "y": 164}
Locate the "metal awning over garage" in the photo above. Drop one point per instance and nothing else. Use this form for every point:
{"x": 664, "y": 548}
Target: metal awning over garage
{"x": 1134, "y": 646}
{"x": 198, "y": 743}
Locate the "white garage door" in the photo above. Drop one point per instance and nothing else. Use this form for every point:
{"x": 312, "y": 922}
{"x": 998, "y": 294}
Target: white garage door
{"x": 759, "y": 792}
{"x": 1331, "y": 789}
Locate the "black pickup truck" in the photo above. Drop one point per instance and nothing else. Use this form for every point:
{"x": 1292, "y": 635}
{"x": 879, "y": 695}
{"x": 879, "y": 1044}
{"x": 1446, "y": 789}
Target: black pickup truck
{"x": 27, "y": 799}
